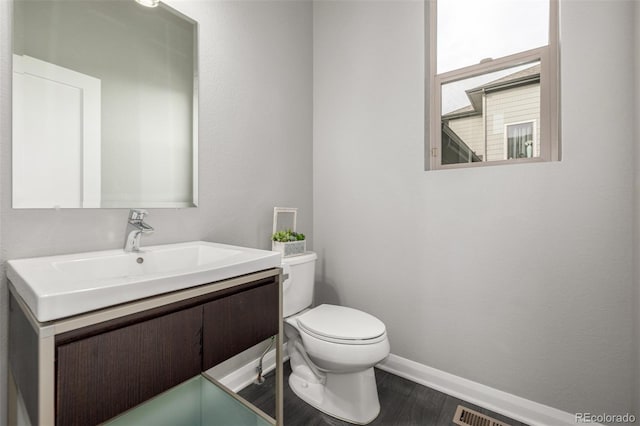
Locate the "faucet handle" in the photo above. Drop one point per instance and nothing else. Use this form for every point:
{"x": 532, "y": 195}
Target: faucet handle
{"x": 137, "y": 214}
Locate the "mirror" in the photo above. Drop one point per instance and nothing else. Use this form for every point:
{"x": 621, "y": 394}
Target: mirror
{"x": 104, "y": 105}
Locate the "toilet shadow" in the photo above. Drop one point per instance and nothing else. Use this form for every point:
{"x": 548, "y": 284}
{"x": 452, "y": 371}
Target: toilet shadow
{"x": 325, "y": 292}
{"x": 325, "y": 289}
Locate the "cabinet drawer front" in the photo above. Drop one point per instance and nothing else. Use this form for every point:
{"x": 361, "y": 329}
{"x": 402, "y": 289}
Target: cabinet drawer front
{"x": 237, "y": 322}
{"x": 104, "y": 375}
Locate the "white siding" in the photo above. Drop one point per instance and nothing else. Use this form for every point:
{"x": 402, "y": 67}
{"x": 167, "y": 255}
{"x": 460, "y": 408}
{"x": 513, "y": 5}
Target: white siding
{"x": 502, "y": 108}
{"x": 509, "y": 107}
{"x": 470, "y": 131}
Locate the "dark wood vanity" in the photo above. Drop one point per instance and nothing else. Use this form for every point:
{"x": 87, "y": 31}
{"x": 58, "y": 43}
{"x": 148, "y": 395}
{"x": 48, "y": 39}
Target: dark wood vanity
{"x": 89, "y": 368}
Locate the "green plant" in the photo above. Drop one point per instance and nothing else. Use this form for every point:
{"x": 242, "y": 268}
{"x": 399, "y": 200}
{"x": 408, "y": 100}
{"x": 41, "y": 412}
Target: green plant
{"x": 287, "y": 236}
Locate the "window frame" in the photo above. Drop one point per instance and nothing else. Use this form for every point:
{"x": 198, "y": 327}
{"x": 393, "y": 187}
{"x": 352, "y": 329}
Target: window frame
{"x": 548, "y": 56}
{"x": 534, "y": 133}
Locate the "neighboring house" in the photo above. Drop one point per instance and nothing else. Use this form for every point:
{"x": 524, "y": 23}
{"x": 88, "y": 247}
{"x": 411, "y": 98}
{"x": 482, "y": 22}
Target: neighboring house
{"x": 501, "y": 122}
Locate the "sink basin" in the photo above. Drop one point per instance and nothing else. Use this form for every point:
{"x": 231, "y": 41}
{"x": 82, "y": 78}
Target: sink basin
{"x": 60, "y": 286}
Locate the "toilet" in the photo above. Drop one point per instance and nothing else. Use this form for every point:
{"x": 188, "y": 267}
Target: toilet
{"x": 332, "y": 349}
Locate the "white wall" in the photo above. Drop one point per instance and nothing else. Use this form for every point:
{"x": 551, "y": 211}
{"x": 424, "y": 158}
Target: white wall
{"x": 255, "y": 143}
{"x": 532, "y": 294}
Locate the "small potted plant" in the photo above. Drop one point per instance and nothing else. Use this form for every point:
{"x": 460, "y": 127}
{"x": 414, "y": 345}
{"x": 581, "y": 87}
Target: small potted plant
{"x": 289, "y": 243}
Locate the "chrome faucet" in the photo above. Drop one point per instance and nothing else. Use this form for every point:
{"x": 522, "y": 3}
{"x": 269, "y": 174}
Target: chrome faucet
{"x": 135, "y": 229}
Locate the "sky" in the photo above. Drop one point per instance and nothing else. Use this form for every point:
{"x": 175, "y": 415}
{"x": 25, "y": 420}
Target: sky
{"x": 472, "y": 30}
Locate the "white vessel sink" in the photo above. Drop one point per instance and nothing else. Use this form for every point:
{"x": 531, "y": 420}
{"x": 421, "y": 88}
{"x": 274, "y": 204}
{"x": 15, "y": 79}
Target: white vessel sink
{"x": 60, "y": 286}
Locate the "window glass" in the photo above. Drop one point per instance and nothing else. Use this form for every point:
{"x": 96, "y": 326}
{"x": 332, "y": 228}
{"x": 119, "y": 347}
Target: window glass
{"x": 472, "y": 30}
{"x": 492, "y": 116}
{"x": 520, "y": 140}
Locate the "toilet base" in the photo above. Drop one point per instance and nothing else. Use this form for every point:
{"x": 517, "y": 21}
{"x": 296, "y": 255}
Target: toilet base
{"x": 351, "y": 397}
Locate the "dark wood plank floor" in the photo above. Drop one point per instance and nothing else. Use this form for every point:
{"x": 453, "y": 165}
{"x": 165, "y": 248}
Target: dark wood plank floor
{"x": 402, "y": 403}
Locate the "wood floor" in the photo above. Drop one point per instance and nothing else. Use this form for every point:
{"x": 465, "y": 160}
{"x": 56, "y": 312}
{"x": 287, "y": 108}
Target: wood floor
{"x": 402, "y": 403}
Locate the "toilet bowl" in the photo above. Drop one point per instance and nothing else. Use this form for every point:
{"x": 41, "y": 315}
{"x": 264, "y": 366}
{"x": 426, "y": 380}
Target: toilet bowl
{"x": 332, "y": 349}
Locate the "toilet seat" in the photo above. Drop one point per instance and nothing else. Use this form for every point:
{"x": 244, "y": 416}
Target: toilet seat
{"x": 339, "y": 324}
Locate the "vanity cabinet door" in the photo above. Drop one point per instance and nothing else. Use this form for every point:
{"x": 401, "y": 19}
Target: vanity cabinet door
{"x": 237, "y": 322}
{"x": 101, "y": 376}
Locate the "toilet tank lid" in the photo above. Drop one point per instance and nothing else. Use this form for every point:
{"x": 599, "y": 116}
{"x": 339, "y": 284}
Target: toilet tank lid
{"x": 340, "y": 322}
{"x": 308, "y": 256}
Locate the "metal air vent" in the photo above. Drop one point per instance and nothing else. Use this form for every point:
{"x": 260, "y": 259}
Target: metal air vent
{"x": 467, "y": 417}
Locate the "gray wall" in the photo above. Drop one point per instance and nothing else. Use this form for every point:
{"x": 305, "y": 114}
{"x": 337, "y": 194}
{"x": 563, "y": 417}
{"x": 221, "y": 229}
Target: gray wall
{"x": 555, "y": 328}
{"x": 538, "y": 281}
{"x": 255, "y": 143}
{"x": 636, "y": 255}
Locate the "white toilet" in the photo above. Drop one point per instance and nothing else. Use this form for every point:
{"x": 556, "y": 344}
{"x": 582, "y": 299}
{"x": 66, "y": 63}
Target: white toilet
{"x": 332, "y": 349}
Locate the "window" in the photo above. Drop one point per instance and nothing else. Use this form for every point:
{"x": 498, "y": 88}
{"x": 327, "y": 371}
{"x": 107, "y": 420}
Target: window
{"x": 494, "y": 82}
{"x": 520, "y": 140}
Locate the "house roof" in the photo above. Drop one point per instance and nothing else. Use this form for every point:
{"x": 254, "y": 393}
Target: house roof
{"x": 523, "y": 77}
{"x": 531, "y": 74}
{"x": 461, "y": 112}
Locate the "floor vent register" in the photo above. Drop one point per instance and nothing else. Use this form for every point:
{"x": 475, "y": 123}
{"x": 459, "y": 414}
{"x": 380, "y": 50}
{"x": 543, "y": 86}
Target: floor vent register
{"x": 467, "y": 417}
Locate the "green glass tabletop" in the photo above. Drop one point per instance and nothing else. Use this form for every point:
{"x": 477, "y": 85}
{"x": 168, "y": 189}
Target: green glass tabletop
{"x": 196, "y": 402}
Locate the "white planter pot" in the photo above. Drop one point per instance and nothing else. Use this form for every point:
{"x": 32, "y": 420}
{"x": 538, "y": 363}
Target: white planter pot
{"x": 293, "y": 248}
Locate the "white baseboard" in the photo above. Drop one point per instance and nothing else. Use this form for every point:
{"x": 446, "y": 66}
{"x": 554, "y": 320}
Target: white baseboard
{"x": 515, "y": 407}
{"x": 245, "y": 375}
{"x": 504, "y": 403}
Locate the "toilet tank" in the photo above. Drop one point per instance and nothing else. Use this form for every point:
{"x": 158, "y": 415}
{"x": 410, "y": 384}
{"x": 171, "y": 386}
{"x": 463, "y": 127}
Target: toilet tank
{"x": 297, "y": 290}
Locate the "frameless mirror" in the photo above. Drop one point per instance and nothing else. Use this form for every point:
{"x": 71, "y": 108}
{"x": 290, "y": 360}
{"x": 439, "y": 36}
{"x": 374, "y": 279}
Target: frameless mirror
{"x": 104, "y": 105}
